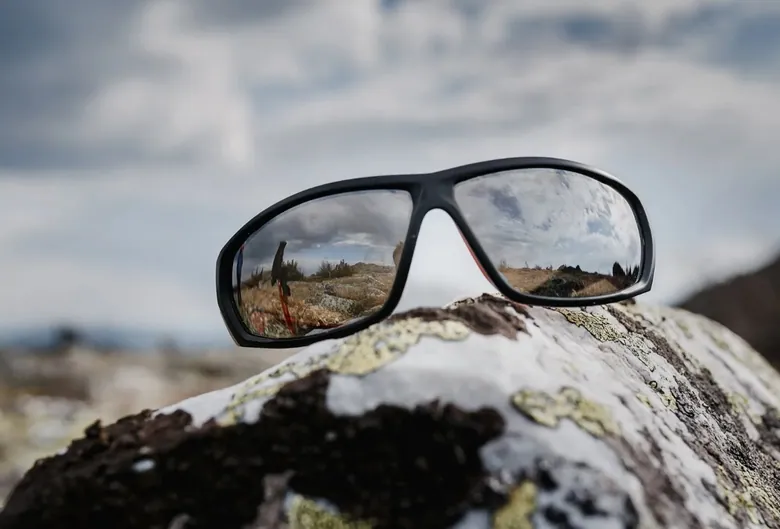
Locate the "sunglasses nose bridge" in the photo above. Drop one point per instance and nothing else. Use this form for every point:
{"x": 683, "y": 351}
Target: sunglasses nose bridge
{"x": 441, "y": 195}
{"x": 438, "y": 194}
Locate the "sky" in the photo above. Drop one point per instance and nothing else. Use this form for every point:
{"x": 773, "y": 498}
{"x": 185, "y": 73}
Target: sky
{"x": 139, "y": 136}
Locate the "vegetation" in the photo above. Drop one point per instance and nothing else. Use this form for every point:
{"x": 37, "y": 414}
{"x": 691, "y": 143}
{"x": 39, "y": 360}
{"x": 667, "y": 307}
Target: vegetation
{"x": 292, "y": 271}
{"x": 333, "y": 294}
{"x": 328, "y": 270}
{"x": 339, "y": 291}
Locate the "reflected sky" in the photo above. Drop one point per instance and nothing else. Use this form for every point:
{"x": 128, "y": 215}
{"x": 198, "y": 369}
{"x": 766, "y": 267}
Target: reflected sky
{"x": 549, "y": 217}
{"x": 536, "y": 217}
{"x": 361, "y": 226}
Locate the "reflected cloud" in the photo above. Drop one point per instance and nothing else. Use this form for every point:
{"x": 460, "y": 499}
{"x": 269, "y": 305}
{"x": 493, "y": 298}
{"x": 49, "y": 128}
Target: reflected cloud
{"x": 333, "y": 260}
{"x": 321, "y": 264}
{"x": 542, "y": 220}
{"x": 359, "y": 226}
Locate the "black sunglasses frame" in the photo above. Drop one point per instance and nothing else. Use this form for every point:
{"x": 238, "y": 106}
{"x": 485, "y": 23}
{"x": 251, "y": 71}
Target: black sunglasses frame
{"x": 428, "y": 191}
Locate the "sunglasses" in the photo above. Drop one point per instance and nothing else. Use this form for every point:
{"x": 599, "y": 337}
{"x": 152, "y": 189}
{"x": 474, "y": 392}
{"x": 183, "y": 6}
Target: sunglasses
{"x": 334, "y": 259}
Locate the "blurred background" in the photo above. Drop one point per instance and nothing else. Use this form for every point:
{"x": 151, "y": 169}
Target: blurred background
{"x": 137, "y": 137}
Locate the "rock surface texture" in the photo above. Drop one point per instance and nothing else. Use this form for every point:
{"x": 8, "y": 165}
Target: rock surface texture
{"x": 481, "y": 414}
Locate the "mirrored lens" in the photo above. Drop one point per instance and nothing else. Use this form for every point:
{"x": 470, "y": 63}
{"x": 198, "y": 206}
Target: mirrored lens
{"x": 322, "y": 264}
{"x": 554, "y": 233}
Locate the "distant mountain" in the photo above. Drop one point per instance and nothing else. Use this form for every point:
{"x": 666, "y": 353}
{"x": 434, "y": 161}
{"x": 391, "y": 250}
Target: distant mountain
{"x": 749, "y": 305}
{"x": 56, "y": 337}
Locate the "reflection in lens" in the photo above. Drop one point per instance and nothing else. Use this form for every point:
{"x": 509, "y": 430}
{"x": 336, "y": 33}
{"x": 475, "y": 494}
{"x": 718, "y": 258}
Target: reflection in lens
{"x": 554, "y": 233}
{"x": 321, "y": 264}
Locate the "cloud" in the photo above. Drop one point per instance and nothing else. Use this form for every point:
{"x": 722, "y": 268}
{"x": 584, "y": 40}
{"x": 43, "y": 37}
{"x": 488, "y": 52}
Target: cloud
{"x": 54, "y": 62}
{"x": 137, "y": 138}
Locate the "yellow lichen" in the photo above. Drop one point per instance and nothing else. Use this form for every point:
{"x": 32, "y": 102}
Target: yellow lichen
{"x": 568, "y": 403}
{"x": 719, "y": 342}
{"x": 360, "y": 354}
{"x": 603, "y": 330}
{"x": 571, "y": 369}
{"x": 751, "y": 495}
{"x": 597, "y": 325}
{"x": 740, "y": 405}
{"x": 736, "y": 501}
{"x": 375, "y": 347}
{"x": 684, "y": 328}
{"x": 516, "y": 514}
{"x": 667, "y": 398}
{"x": 639, "y": 346}
{"x": 641, "y": 397}
{"x": 306, "y": 514}
{"x": 256, "y": 387}
{"x": 767, "y": 496}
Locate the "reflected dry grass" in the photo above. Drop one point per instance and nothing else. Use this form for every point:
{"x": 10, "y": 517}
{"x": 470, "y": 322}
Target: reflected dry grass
{"x": 323, "y": 303}
{"x": 566, "y": 283}
{"x": 316, "y": 302}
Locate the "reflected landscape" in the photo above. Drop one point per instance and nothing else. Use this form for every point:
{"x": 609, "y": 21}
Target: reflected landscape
{"x": 322, "y": 264}
{"x": 332, "y": 261}
{"x": 554, "y": 233}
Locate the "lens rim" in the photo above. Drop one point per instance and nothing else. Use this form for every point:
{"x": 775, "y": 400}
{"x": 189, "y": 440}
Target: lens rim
{"x": 470, "y": 235}
{"x": 428, "y": 191}
{"x": 289, "y": 208}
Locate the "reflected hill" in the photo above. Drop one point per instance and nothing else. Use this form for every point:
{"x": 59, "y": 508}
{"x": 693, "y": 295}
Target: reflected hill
{"x": 325, "y": 299}
{"x": 568, "y": 281}
{"x": 338, "y": 292}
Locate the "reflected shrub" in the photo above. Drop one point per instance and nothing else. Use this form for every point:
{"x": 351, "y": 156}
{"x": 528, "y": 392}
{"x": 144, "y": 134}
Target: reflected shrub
{"x": 328, "y": 270}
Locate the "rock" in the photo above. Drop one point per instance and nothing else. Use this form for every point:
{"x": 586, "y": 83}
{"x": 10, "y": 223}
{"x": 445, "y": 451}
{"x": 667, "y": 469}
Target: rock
{"x": 749, "y": 305}
{"x": 46, "y": 400}
{"x": 481, "y": 414}
{"x": 329, "y": 301}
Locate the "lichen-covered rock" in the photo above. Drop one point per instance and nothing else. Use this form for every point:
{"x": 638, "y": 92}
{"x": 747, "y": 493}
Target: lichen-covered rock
{"x": 482, "y": 414}
{"x": 48, "y": 398}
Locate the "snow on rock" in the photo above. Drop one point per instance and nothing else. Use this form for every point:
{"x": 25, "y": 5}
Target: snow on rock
{"x": 481, "y": 414}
